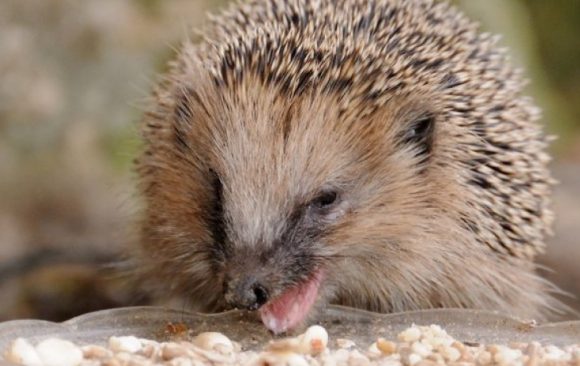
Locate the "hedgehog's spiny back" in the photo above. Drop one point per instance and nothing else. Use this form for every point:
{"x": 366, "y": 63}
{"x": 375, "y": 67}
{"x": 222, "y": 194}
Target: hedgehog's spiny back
{"x": 352, "y": 47}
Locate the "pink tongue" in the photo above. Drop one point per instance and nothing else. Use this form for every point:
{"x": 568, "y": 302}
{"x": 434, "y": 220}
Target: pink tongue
{"x": 289, "y": 309}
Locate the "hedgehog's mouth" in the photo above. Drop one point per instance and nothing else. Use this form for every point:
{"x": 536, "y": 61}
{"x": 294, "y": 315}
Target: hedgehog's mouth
{"x": 291, "y": 307}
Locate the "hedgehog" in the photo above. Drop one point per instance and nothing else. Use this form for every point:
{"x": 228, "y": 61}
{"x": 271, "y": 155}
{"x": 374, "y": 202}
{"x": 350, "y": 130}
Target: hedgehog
{"x": 377, "y": 154}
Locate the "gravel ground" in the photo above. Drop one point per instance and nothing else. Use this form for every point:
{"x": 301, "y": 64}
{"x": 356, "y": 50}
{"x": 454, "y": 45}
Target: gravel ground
{"x": 417, "y": 345}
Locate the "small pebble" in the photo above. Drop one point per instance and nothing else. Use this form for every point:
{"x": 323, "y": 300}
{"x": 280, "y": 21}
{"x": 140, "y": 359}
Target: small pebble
{"x": 507, "y": 356}
{"x": 314, "y": 340}
{"x": 170, "y": 351}
{"x": 59, "y": 352}
{"x": 386, "y": 347}
{"x": 21, "y": 352}
{"x": 410, "y": 335}
{"x": 282, "y": 359}
{"x": 214, "y": 341}
{"x": 92, "y": 351}
{"x": 421, "y": 349}
{"x": 129, "y": 344}
{"x": 357, "y": 359}
{"x": 414, "y": 359}
{"x": 450, "y": 354}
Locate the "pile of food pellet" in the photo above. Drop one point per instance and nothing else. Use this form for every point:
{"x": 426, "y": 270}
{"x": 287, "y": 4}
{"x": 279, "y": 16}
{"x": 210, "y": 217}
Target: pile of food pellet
{"x": 419, "y": 346}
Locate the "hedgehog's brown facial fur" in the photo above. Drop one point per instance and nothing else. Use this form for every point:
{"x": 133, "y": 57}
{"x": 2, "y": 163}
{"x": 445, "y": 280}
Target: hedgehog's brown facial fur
{"x": 394, "y": 155}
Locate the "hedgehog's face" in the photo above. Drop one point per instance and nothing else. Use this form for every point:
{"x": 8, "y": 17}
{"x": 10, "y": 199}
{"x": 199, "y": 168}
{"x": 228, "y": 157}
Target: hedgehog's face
{"x": 280, "y": 205}
{"x": 309, "y": 192}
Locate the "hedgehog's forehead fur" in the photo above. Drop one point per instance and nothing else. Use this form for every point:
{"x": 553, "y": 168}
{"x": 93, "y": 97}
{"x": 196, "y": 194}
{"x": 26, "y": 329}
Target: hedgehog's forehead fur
{"x": 284, "y": 98}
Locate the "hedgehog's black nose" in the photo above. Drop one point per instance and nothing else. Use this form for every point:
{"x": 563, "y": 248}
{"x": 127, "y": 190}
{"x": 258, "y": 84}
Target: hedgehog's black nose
{"x": 247, "y": 293}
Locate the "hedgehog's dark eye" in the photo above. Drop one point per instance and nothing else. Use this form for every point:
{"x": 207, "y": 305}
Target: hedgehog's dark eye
{"x": 324, "y": 200}
{"x": 420, "y": 133}
{"x": 420, "y": 129}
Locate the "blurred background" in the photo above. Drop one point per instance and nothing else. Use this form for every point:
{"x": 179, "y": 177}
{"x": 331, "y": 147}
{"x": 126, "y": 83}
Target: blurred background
{"x": 73, "y": 78}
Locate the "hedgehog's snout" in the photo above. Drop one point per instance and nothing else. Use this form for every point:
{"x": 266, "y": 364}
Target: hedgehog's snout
{"x": 247, "y": 292}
